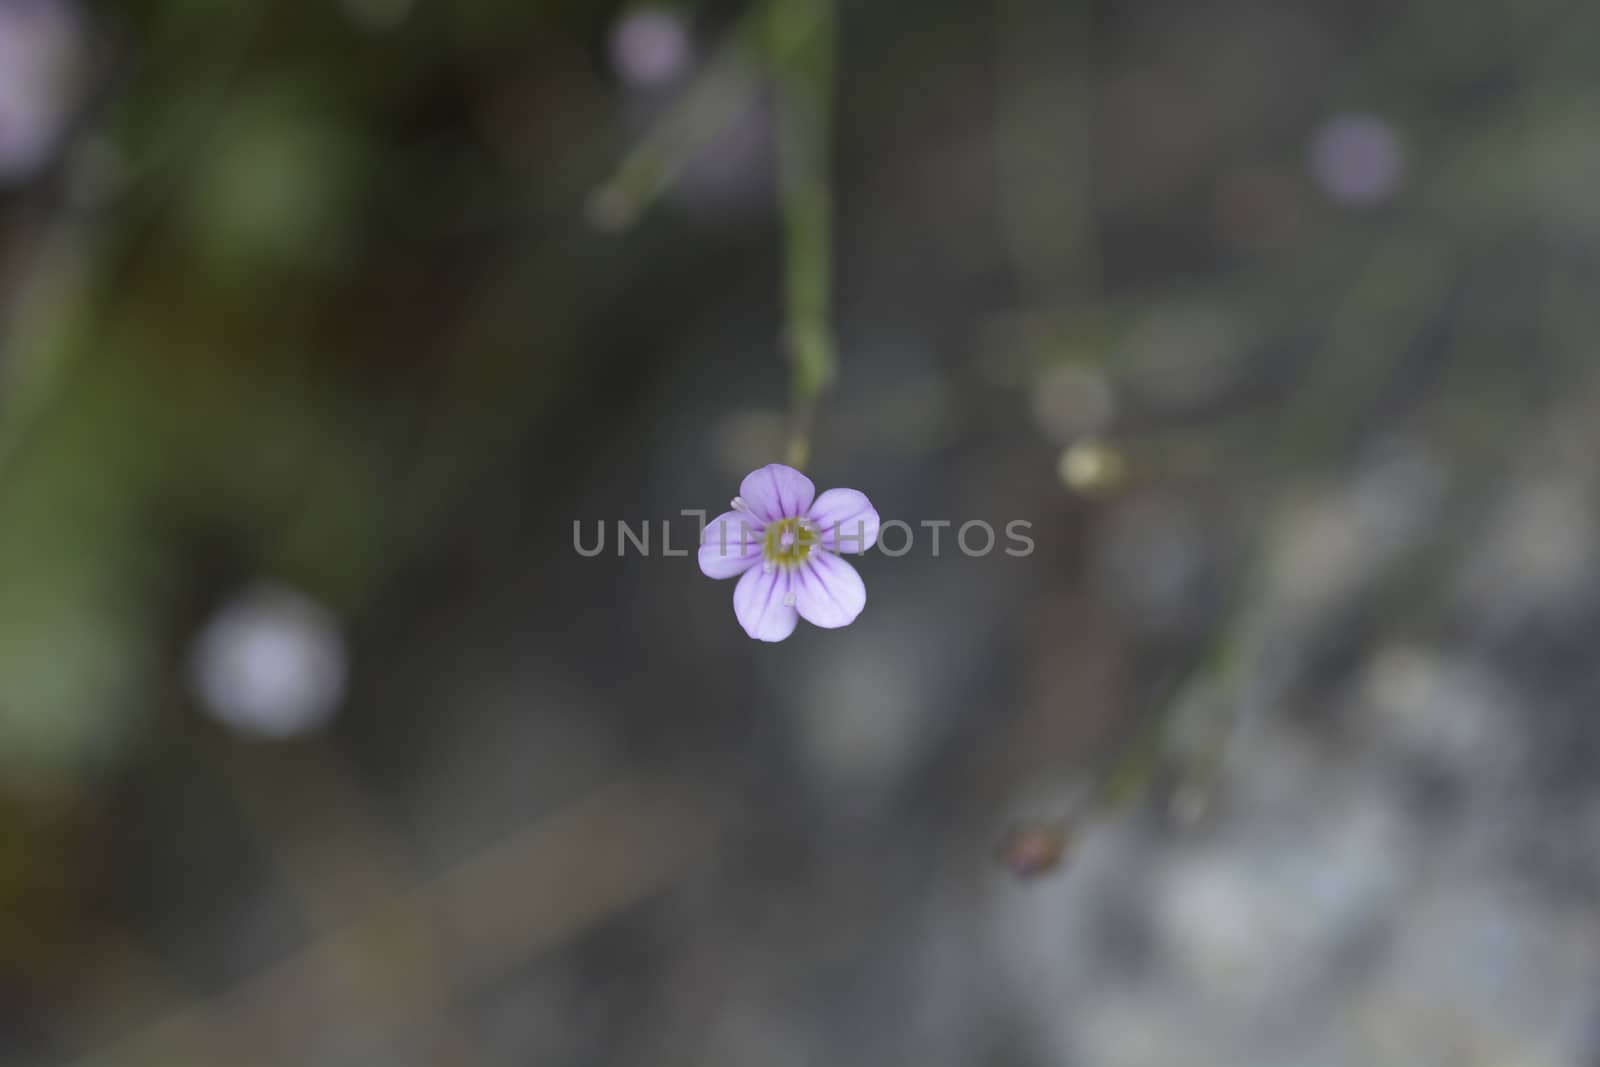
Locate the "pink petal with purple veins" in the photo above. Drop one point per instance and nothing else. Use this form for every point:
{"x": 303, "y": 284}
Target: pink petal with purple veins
{"x": 847, "y": 520}
{"x": 731, "y": 545}
{"x": 777, "y": 492}
{"x": 758, "y": 601}
{"x": 828, "y": 592}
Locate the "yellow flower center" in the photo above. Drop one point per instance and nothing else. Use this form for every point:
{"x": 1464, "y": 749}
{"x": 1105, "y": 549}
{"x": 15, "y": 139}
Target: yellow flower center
{"x": 789, "y": 542}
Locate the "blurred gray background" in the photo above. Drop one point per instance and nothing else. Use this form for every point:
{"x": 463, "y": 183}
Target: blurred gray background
{"x": 322, "y": 324}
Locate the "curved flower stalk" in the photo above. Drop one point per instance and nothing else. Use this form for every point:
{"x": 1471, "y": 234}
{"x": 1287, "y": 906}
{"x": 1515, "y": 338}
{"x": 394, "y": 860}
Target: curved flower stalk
{"x": 784, "y": 544}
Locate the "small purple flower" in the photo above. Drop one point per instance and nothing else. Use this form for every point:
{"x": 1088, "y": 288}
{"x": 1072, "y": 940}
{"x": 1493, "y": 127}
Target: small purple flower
{"x": 784, "y": 543}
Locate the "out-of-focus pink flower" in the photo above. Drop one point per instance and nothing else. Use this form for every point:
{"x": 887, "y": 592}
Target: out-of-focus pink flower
{"x": 650, "y": 47}
{"x": 40, "y": 50}
{"x": 270, "y": 664}
{"x": 1358, "y": 160}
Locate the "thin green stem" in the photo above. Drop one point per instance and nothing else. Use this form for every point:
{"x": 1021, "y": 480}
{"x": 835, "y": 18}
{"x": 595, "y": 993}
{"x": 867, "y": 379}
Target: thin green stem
{"x": 801, "y": 39}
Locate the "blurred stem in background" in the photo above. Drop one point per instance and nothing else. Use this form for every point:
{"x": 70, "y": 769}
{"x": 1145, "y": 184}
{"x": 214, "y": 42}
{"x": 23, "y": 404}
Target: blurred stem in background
{"x": 705, "y": 110}
{"x": 802, "y": 42}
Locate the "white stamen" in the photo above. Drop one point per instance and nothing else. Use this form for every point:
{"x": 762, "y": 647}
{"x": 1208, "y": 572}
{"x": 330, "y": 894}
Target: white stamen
{"x": 768, "y": 566}
{"x": 788, "y": 600}
{"x": 738, "y": 504}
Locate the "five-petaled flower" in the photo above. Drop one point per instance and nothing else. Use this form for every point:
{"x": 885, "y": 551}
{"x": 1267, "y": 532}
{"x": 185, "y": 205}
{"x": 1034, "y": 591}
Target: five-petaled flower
{"x": 783, "y": 542}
